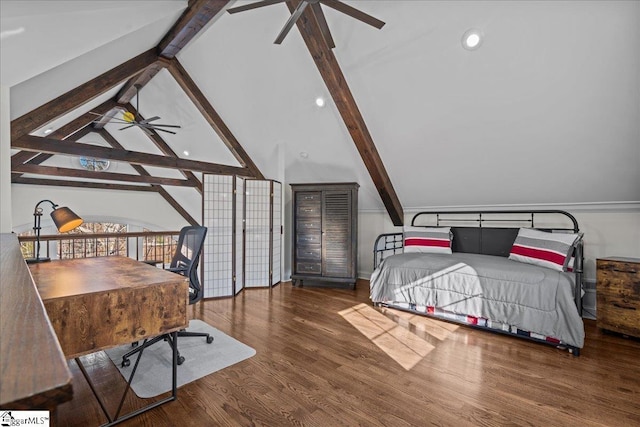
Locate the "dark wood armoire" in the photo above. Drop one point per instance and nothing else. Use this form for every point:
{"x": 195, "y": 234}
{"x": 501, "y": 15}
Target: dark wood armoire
{"x": 325, "y": 234}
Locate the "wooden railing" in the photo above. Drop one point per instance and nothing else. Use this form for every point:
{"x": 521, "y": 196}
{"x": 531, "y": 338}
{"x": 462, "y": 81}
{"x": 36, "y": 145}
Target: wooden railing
{"x": 150, "y": 246}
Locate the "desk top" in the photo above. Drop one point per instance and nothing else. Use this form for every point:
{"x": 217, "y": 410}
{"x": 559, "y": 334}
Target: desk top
{"x": 34, "y": 373}
{"x": 75, "y": 277}
{"x": 98, "y": 303}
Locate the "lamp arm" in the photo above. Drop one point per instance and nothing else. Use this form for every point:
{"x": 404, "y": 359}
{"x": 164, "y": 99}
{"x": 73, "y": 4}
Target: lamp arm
{"x": 53, "y": 205}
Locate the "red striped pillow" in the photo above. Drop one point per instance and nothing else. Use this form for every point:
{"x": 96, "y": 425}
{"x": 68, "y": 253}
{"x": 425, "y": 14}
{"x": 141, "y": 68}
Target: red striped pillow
{"x": 551, "y": 250}
{"x": 427, "y": 239}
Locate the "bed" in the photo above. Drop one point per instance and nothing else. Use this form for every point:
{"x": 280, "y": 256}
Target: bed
{"x": 512, "y": 272}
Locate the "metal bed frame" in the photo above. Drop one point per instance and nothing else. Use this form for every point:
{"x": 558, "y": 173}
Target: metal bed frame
{"x": 490, "y": 233}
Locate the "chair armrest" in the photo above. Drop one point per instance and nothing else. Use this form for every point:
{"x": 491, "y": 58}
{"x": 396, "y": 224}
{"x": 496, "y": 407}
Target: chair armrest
{"x": 177, "y": 269}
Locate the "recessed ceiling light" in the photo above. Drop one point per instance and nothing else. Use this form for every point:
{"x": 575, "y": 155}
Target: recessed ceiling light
{"x": 47, "y": 131}
{"x": 186, "y": 153}
{"x": 472, "y": 39}
{"x": 304, "y": 154}
{"x": 320, "y": 101}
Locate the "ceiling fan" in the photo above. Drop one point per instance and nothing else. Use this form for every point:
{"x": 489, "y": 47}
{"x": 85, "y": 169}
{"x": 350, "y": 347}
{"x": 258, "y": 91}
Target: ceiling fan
{"x": 130, "y": 119}
{"x": 317, "y": 10}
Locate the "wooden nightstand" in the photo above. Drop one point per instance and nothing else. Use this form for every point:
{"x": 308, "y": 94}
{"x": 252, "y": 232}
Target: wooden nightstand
{"x": 618, "y": 293}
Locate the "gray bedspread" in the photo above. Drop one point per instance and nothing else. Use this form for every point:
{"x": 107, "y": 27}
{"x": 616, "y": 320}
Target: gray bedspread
{"x": 533, "y": 298}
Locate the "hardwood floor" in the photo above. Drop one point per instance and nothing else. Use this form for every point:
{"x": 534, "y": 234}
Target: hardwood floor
{"x": 326, "y": 357}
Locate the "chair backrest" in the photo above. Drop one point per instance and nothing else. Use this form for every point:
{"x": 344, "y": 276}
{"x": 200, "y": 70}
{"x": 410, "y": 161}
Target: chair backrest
{"x": 187, "y": 256}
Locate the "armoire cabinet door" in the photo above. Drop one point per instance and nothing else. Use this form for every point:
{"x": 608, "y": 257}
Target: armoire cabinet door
{"x": 336, "y": 234}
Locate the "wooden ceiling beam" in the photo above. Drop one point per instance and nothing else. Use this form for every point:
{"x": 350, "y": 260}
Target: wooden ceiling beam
{"x": 215, "y": 121}
{"x": 67, "y": 130}
{"x": 108, "y": 176}
{"x": 143, "y": 172}
{"x": 101, "y": 122}
{"x": 53, "y": 146}
{"x": 40, "y": 158}
{"x": 195, "y": 18}
{"x": 166, "y": 150}
{"x": 129, "y": 90}
{"x": 79, "y": 184}
{"x": 345, "y": 102}
{"x": 80, "y": 95}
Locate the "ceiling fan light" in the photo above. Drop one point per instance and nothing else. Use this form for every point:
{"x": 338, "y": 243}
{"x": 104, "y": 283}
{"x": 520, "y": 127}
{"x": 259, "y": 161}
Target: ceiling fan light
{"x": 128, "y": 117}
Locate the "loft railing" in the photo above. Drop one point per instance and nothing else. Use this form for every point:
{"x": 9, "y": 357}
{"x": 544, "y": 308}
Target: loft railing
{"x": 149, "y": 246}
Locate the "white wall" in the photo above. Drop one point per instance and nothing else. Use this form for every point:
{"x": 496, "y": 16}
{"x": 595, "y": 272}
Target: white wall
{"x": 608, "y": 231}
{"x": 5, "y": 161}
{"x": 141, "y": 208}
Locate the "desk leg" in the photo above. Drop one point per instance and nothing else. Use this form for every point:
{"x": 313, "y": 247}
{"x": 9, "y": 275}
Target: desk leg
{"x": 174, "y": 387}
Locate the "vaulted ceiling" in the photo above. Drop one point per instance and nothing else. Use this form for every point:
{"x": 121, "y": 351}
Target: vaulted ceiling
{"x": 517, "y": 121}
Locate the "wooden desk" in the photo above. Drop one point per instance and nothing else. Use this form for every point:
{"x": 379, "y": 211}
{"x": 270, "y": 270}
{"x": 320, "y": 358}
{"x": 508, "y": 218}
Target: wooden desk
{"x": 104, "y": 302}
{"x": 98, "y": 303}
{"x": 34, "y": 373}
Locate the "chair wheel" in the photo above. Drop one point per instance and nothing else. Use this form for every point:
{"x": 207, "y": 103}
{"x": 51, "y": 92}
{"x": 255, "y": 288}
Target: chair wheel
{"x": 180, "y": 360}
{"x": 209, "y": 339}
{"x": 125, "y": 363}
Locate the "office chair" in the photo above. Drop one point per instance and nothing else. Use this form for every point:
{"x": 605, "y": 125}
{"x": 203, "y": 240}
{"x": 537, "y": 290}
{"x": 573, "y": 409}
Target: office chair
{"x": 185, "y": 262}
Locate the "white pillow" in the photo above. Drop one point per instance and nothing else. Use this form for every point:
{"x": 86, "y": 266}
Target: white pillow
{"x": 551, "y": 250}
{"x": 427, "y": 239}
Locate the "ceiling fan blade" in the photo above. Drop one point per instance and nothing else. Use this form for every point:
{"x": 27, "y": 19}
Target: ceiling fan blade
{"x": 291, "y": 22}
{"x": 127, "y": 127}
{"x": 322, "y": 23}
{"x": 164, "y": 126}
{"x": 353, "y": 12}
{"x": 163, "y": 130}
{"x": 150, "y": 120}
{"x": 254, "y": 5}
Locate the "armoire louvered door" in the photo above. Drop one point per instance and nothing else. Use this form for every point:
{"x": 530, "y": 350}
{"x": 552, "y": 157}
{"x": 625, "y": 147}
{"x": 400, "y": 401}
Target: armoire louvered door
{"x": 324, "y": 233}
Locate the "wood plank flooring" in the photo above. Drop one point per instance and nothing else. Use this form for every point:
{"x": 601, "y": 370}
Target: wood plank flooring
{"x": 326, "y": 357}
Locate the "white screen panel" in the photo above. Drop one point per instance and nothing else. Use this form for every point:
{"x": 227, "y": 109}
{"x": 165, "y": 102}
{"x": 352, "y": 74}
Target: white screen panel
{"x": 257, "y": 234}
{"x": 218, "y": 216}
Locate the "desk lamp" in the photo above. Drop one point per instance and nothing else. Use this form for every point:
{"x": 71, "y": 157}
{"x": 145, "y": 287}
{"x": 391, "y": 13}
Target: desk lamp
{"x": 64, "y": 219}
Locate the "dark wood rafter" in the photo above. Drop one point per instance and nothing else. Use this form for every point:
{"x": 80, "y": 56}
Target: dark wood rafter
{"x": 195, "y": 18}
{"x": 67, "y": 130}
{"x": 81, "y": 184}
{"x": 109, "y": 176}
{"x": 209, "y": 113}
{"x": 80, "y": 95}
{"x": 143, "y": 172}
{"x": 53, "y": 146}
{"x": 101, "y": 122}
{"x": 129, "y": 90}
{"x": 40, "y": 158}
{"x": 337, "y": 85}
{"x": 166, "y": 150}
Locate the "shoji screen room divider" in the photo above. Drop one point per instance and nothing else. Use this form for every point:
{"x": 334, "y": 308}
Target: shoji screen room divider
{"x": 244, "y": 237}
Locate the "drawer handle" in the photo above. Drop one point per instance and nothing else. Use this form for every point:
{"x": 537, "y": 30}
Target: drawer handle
{"x": 626, "y": 307}
{"x": 617, "y": 270}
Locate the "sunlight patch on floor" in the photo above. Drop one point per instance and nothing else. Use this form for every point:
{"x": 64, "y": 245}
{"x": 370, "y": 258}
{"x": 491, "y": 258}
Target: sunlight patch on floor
{"x": 402, "y": 345}
{"x": 437, "y": 329}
